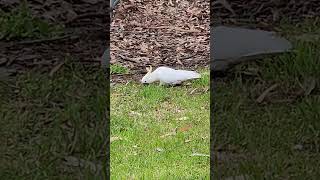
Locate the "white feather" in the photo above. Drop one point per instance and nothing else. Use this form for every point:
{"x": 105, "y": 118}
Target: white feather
{"x": 169, "y": 76}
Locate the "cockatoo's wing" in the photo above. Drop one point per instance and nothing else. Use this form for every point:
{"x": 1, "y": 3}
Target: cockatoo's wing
{"x": 188, "y": 74}
{"x": 172, "y": 76}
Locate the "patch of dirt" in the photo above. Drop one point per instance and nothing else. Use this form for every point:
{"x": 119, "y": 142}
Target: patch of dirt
{"x": 262, "y": 13}
{"x": 160, "y": 33}
{"x": 86, "y": 38}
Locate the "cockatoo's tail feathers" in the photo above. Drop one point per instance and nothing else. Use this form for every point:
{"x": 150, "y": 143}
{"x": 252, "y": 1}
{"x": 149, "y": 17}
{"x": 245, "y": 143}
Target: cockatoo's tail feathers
{"x": 189, "y": 74}
{"x": 197, "y": 76}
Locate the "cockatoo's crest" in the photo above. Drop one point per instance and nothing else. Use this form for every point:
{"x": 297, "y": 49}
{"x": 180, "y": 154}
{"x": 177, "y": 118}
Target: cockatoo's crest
{"x": 149, "y": 70}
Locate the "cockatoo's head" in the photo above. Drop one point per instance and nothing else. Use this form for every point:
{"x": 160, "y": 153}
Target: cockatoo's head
{"x": 148, "y": 78}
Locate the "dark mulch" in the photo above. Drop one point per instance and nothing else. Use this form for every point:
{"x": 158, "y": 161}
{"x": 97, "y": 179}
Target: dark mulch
{"x": 87, "y": 36}
{"x": 263, "y": 13}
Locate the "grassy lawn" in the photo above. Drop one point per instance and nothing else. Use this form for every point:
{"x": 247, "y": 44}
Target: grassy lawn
{"x": 160, "y": 132}
{"x": 278, "y": 136}
{"x": 50, "y": 124}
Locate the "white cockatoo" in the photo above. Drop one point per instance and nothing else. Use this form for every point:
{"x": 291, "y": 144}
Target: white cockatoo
{"x": 168, "y": 76}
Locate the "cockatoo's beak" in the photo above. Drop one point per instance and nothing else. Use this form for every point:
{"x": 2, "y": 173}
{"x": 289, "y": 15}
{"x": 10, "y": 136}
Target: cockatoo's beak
{"x": 146, "y": 79}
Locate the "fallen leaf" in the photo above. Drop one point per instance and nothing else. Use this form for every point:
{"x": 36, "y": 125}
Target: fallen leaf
{"x": 193, "y": 91}
{"x": 133, "y": 113}
{"x": 55, "y": 69}
{"x": 159, "y": 150}
{"x": 309, "y": 85}
{"x": 265, "y": 93}
{"x": 168, "y": 134}
{"x": 199, "y": 154}
{"x": 298, "y": 147}
{"x": 179, "y": 61}
{"x": 185, "y": 128}
{"x": 115, "y": 138}
{"x": 183, "y": 118}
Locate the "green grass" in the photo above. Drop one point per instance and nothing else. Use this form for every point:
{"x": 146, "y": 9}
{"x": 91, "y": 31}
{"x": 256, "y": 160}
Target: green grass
{"x": 47, "y": 119}
{"x": 21, "y": 24}
{"x": 278, "y": 138}
{"x": 144, "y": 119}
{"x": 118, "y": 69}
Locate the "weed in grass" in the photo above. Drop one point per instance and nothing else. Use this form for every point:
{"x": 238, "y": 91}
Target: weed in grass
{"x": 118, "y": 69}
